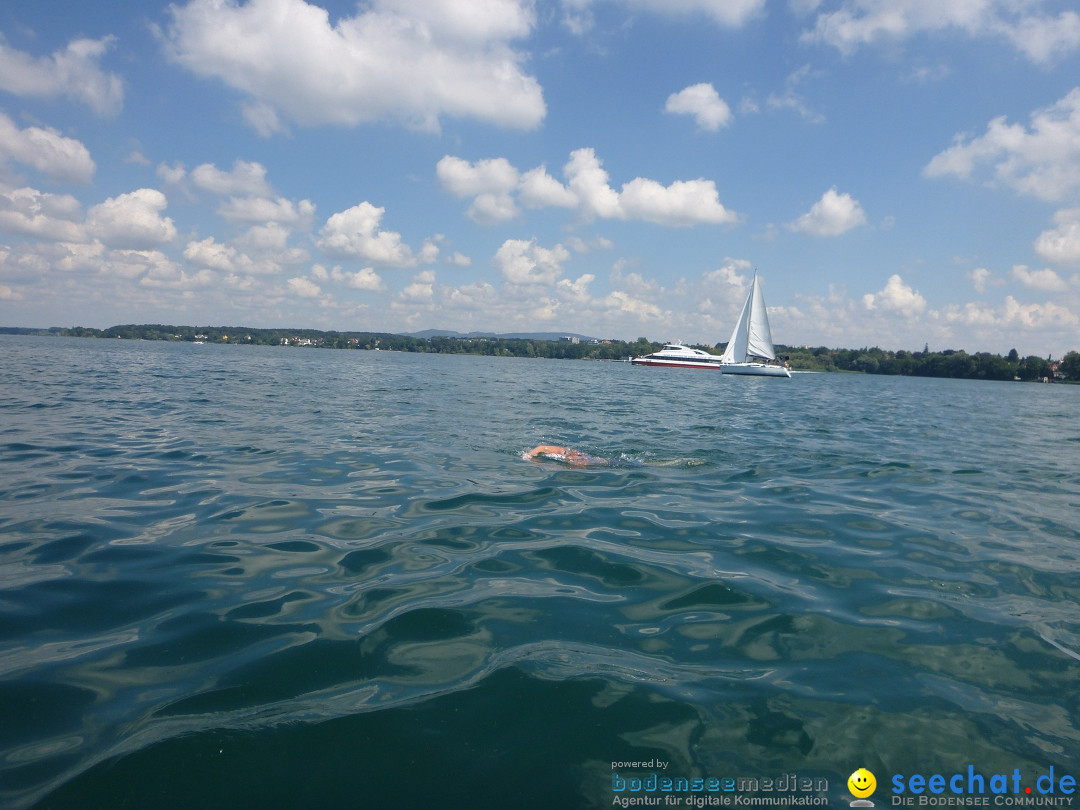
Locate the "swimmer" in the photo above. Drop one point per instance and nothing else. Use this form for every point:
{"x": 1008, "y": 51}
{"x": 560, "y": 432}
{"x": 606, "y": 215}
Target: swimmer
{"x": 567, "y": 455}
{"x": 576, "y": 458}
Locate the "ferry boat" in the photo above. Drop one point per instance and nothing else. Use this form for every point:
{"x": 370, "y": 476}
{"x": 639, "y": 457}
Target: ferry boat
{"x": 675, "y": 355}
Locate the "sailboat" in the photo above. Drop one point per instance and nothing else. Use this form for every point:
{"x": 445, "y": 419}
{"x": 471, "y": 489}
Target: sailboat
{"x": 750, "y": 349}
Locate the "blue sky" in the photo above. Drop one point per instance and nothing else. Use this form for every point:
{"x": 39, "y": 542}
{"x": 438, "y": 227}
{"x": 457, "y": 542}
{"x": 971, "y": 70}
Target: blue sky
{"x": 900, "y": 172}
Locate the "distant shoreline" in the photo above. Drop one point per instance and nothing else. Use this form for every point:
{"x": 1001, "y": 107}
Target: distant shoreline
{"x": 948, "y": 363}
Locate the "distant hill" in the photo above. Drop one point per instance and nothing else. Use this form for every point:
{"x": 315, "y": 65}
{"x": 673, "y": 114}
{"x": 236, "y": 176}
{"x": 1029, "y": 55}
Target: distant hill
{"x": 430, "y": 333}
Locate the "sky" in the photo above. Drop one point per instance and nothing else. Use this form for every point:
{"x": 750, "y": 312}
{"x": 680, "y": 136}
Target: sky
{"x": 900, "y": 173}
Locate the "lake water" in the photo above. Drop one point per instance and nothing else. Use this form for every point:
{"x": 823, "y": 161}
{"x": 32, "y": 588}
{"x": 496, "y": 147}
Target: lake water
{"x": 274, "y": 578}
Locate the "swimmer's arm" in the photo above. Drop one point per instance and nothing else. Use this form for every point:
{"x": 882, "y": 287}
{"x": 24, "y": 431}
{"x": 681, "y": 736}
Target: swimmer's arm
{"x": 544, "y": 450}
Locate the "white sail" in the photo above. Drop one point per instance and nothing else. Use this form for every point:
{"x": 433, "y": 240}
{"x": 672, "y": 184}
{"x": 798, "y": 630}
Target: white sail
{"x": 751, "y": 338}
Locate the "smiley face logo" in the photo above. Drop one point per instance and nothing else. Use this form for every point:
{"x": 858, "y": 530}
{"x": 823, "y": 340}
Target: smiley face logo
{"x": 861, "y": 783}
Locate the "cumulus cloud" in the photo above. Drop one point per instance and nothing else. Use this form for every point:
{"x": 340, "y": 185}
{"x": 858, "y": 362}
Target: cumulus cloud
{"x": 525, "y": 262}
{"x": 729, "y": 273}
{"x": 1044, "y": 280}
{"x": 211, "y": 254}
{"x": 832, "y": 215}
{"x": 896, "y": 297}
{"x": 1040, "y": 36}
{"x": 1011, "y": 314}
{"x": 355, "y": 234}
{"x": 62, "y": 159}
{"x": 587, "y": 191}
{"x": 1043, "y": 161}
{"x": 29, "y": 212}
{"x": 422, "y": 288}
{"x": 1062, "y": 244}
{"x": 262, "y": 209}
{"x": 73, "y": 71}
{"x": 302, "y": 287}
{"x": 364, "y": 279}
{"x": 980, "y": 278}
{"x": 134, "y": 264}
{"x": 576, "y": 290}
{"x": 132, "y": 221}
{"x": 394, "y": 60}
{"x": 702, "y": 102}
{"x": 623, "y": 302}
{"x": 538, "y": 189}
{"x": 488, "y": 182}
{"x": 246, "y": 178}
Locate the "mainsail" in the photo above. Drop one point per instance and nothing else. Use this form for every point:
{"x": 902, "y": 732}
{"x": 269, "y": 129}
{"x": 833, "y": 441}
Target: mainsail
{"x": 751, "y": 339}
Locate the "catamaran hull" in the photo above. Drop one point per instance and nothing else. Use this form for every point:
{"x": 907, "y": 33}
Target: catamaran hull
{"x": 755, "y": 369}
{"x": 648, "y": 361}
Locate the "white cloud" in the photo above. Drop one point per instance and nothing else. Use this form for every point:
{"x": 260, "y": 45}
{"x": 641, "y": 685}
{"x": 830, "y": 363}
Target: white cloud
{"x": 896, "y": 297}
{"x": 792, "y": 99}
{"x": 980, "y": 278}
{"x": 579, "y": 245}
{"x": 576, "y": 290}
{"x": 1044, "y": 280}
{"x": 1062, "y": 245}
{"x": 73, "y": 72}
{"x": 459, "y": 260}
{"x": 132, "y": 220}
{"x": 262, "y": 209}
{"x": 487, "y": 209}
{"x": 395, "y": 60}
{"x": 587, "y": 190}
{"x": 1043, "y": 161}
{"x": 211, "y": 254}
{"x": 135, "y": 264}
{"x": 263, "y": 118}
{"x": 538, "y": 189}
{"x": 589, "y": 183}
{"x": 270, "y": 237}
{"x": 703, "y": 102}
{"x": 167, "y": 274}
{"x": 63, "y": 159}
{"x": 422, "y": 288}
{"x": 832, "y": 215}
{"x": 364, "y": 279}
{"x": 525, "y": 262}
{"x": 1044, "y": 38}
{"x": 53, "y": 217}
{"x": 1040, "y": 36}
{"x": 623, "y": 302}
{"x": 683, "y": 203}
{"x": 464, "y": 179}
{"x": 1011, "y": 314}
{"x": 246, "y": 178}
{"x": 489, "y": 182}
{"x": 173, "y": 175}
{"x": 302, "y": 287}
{"x": 355, "y": 234}
{"x": 728, "y": 273}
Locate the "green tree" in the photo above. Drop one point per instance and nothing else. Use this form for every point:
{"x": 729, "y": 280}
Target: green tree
{"x": 1033, "y": 368}
{"x": 1070, "y": 366}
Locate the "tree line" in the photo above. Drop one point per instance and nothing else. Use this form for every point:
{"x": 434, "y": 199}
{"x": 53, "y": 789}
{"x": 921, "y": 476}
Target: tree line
{"x": 954, "y": 363}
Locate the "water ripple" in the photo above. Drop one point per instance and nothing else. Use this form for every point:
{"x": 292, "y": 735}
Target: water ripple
{"x": 215, "y": 555}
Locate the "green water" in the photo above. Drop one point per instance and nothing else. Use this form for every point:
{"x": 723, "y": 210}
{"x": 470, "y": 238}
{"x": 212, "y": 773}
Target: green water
{"x": 268, "y": 577}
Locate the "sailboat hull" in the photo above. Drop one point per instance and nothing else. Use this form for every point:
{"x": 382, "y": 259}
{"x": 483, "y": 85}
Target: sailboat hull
{"x": 755, "y": 369}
